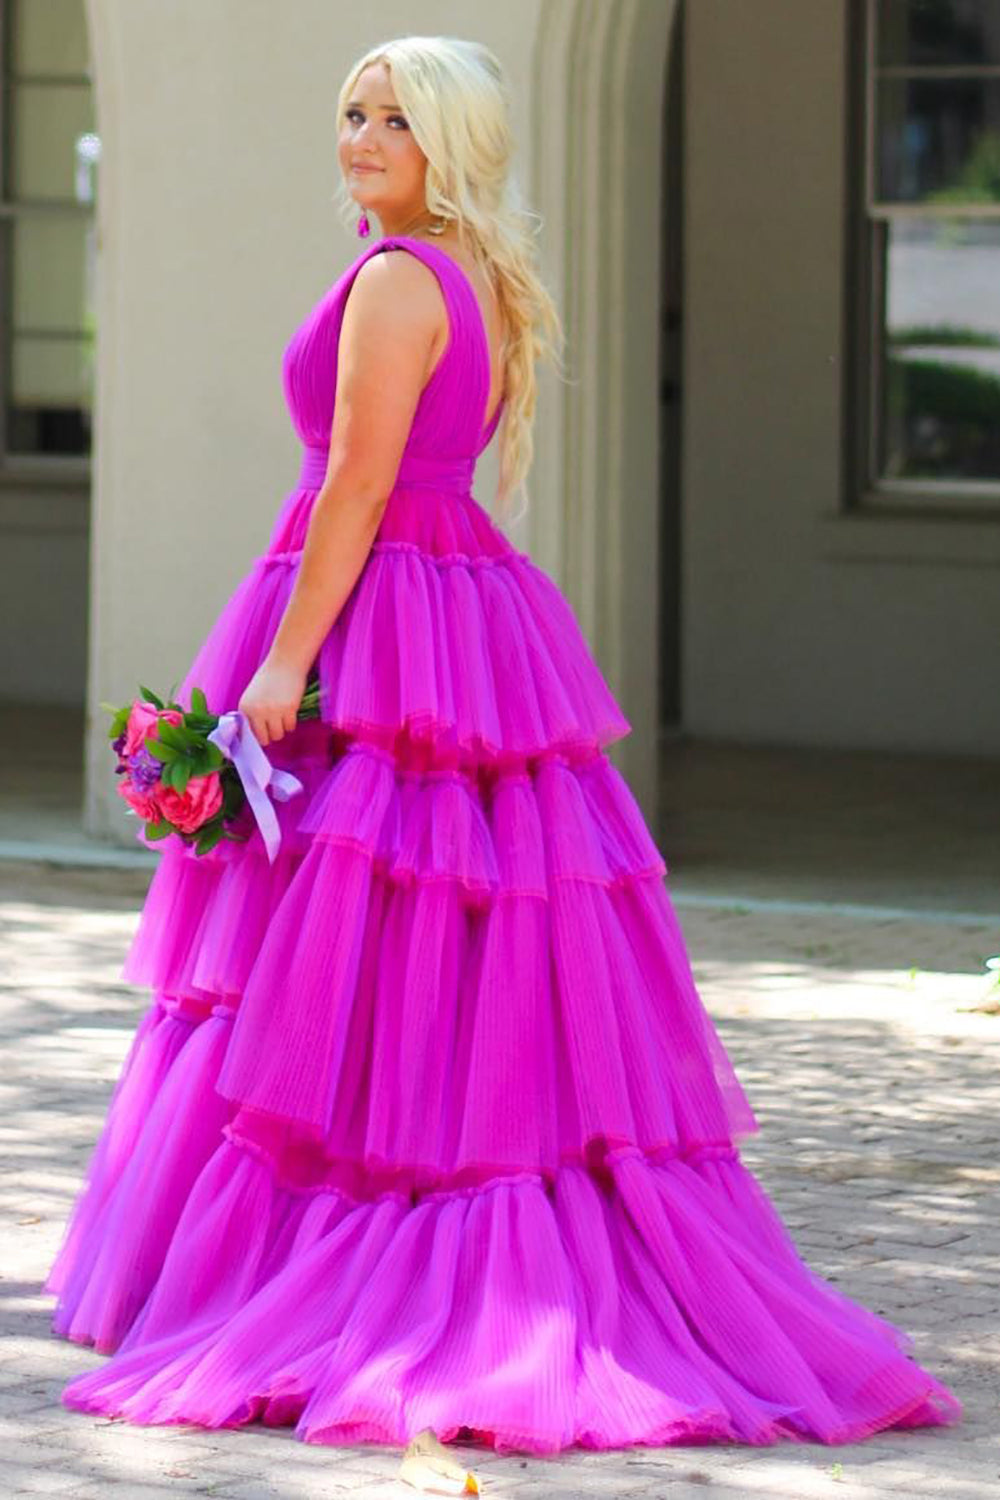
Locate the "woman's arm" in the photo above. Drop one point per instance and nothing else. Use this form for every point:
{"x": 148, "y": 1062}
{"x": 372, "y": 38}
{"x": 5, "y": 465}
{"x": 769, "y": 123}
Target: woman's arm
{"x": 390, "y": 329}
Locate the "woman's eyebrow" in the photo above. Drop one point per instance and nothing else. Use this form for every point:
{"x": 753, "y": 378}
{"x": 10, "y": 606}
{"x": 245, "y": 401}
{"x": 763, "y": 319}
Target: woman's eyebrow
{"x": 356, "y": 104}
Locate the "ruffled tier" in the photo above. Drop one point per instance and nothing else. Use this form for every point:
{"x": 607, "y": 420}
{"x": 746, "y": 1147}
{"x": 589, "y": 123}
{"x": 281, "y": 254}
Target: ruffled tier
{"x": 656, "y": 1298}
{"x": 155, "y": 1044}
{"x": 461, "y": 980}
{"x": 164, "y": 1122}
{"x": 478, "y": 658}
{"x": 427, "y": 1125}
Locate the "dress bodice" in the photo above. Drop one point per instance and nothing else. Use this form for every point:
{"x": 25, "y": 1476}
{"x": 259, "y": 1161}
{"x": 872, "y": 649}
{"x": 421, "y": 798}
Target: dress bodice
{"x": 449, "y": 430}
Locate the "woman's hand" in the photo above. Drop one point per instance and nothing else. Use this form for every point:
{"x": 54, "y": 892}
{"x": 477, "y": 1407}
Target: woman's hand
{"x": 271, "y": 699}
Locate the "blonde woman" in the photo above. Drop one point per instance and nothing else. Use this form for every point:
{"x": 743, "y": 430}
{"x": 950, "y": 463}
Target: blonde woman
{"x": 425, "y": 1126}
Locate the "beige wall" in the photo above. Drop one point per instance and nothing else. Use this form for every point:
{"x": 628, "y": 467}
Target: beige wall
{"x": 800, "y": 625}
{"x": 217, "y": 236}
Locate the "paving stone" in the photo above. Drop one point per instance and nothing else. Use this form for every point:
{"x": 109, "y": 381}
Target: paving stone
{"x": 875, "y": 1094}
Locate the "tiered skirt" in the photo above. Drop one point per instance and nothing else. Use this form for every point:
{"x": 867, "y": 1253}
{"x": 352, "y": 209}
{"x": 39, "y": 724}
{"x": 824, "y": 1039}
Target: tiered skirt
{"x": 425, "y": 1124}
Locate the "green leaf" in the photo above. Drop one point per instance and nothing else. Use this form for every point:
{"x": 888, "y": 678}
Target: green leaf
{"x": 119, "y": 718}
{"x": 160, "y": 750}
{"x": 172, "y": 734}
{"x": 158, "y": 830}
{"x": 209, "y": 837}
{"x": 150, "y": 696}
{"x": 118, "y": 723}
{"x": 198, "y": 701}
{"x": 182, "y": 775}
{"x": 200, "y": 764}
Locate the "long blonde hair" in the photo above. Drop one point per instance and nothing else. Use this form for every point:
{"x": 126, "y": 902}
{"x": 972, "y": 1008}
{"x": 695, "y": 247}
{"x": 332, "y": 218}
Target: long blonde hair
{"x": 453, "y": 94}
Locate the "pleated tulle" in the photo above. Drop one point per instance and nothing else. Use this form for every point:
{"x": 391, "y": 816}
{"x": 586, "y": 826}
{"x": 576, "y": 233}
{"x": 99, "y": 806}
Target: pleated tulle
{"x": 657, "y": 1301}
{"x": 464, "y": 979}
{"x": 426, "y": 1124}
{"x": 156, "y": 1042}
{"x": 475, "y": 655}
{"x": 101, "y": 1297}
{"x": 460, "y": 1150}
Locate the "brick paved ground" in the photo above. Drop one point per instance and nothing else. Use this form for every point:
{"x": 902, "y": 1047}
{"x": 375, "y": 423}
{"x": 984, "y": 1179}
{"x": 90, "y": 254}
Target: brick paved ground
{"x": 878, "y": 1093}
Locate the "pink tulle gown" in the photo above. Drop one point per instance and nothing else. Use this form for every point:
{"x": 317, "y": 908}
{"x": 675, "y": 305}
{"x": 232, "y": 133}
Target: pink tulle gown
{"x": 425, "y": 1124}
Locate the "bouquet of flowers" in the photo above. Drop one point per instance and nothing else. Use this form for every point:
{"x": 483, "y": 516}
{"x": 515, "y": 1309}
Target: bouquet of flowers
{"x": 192, "y": 772}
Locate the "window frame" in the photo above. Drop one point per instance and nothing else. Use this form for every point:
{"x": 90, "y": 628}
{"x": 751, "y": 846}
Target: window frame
{"x": 868, "y": 222}
{"x": 23, "y": 469}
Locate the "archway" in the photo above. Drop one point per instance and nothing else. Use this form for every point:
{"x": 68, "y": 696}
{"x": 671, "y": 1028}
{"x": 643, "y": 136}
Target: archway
{"x": 599, "y": 86}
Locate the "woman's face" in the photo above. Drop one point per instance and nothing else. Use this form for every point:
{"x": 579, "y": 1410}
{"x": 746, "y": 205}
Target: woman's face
{"x": 382, "y": 164}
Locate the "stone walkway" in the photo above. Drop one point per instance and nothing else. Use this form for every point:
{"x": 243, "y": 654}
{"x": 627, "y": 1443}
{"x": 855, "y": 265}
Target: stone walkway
{"x": 877, "y": 1087}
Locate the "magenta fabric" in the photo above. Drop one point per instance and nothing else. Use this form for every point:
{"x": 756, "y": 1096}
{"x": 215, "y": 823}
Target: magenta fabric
{"x": 425, "y": 1124}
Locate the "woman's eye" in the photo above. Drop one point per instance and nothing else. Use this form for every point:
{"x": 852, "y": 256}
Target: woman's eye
{"x": 355, "y": 114}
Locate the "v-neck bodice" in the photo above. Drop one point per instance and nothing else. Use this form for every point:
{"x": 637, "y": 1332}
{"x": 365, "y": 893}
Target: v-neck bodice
{"x": 449, "y": 430}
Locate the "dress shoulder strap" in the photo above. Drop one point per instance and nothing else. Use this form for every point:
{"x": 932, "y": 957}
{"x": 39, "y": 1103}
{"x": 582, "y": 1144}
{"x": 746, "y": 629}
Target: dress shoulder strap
{"x": 467, "y": 358}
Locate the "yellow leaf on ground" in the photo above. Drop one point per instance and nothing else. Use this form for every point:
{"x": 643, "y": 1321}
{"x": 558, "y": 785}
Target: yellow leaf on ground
{"x": 427, "y": 1465}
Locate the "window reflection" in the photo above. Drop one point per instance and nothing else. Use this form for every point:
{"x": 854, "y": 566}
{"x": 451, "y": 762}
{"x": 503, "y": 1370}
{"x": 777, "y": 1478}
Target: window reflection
{"x": 939, "y": 140}
{"x": 942, "y": 351}
{"x": 933, "y": 246}
{"x": 938, "y": 32}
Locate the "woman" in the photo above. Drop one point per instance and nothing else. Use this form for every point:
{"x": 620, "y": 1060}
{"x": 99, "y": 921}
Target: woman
{"x": 426, "y": 1126}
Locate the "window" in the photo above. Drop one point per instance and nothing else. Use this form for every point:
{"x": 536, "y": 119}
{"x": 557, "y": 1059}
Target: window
{"x": 47, "y": 186}
{"x": 927, "y": 379}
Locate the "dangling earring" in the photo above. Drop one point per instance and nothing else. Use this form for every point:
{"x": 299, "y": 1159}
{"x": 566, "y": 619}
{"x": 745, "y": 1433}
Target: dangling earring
{"x": 364, "y": 228}
{"x": 439, "y": 227}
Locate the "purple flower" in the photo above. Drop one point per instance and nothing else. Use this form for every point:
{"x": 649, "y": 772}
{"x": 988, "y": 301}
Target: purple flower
{"x": 144, "y": 770}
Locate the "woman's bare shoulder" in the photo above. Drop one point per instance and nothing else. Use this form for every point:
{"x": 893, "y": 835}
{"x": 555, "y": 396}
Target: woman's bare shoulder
{"x": 397, "y": 279}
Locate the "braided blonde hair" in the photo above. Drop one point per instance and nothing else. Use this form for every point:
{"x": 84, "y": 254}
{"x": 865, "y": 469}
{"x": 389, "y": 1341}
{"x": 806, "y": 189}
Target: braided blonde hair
{"x": 453, "y": 94}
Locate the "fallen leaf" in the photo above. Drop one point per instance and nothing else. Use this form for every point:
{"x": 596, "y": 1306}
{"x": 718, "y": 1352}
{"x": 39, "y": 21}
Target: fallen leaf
{"x": 427, "y": 1465}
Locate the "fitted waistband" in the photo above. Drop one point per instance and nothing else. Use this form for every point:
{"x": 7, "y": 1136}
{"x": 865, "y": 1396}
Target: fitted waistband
{"x": 420, "y": 471}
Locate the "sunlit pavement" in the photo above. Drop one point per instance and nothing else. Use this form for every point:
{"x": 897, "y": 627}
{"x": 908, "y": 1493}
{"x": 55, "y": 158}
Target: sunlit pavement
{"x": 876, "y": 1083}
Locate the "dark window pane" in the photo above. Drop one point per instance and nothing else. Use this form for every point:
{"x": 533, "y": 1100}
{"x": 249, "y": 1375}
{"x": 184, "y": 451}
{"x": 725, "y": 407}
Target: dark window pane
{"x": 940, "y": 374}
{"x": 938, "y": 32}
{"x": 938, "y": 140}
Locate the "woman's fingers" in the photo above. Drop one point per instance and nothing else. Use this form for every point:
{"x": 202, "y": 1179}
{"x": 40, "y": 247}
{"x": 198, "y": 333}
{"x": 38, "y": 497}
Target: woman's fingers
{"x": 267, "y": 727}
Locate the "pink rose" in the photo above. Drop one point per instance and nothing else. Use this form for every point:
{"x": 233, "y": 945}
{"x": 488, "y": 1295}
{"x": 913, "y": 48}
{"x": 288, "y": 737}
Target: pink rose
{"x": 142, "y": 724}
{"x": 144, "y": 803}
{"x": 199, "y": 803}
